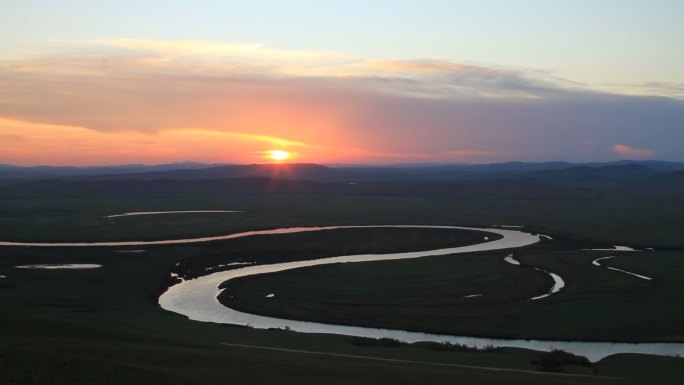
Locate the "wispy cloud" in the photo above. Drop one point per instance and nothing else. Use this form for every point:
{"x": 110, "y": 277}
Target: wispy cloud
{"x": 424, "y": 77}
{"x": 340, "y": 107}
{"x": 187, "y": 48}
{"x": 673, "y": 90}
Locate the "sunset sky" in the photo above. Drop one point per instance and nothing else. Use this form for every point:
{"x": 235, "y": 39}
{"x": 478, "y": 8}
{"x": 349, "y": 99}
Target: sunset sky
{"x": 117, "y": 82}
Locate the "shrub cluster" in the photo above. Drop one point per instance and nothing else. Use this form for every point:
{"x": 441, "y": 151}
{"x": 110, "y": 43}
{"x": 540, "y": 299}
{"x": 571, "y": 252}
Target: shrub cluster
{"x": 554, "y": 360}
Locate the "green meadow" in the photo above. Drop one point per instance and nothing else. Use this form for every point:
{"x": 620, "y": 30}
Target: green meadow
{"x": 103, "y": 326}
{"x": 481, "y": 295}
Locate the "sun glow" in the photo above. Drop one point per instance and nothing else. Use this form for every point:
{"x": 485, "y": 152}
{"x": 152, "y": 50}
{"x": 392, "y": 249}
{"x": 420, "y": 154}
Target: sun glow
{"x": 278, "y": 155}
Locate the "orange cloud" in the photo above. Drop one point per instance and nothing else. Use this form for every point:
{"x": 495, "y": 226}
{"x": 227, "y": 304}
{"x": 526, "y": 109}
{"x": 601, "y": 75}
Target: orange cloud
{"x": 419, "y": 157}
{"x": 625, "y": 150}
{"x": 29, "y": 143}
{"x": 142, "y": 101}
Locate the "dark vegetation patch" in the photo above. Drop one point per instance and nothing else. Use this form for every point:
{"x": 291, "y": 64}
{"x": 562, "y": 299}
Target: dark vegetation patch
{"x": 434, "y": 346}
{"x": 375, "y": 342}
{"x": 453, "y": 347}
{"x": 556, "y": 361}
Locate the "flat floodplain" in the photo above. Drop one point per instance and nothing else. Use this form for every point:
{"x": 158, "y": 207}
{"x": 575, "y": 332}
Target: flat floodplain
{"x": 110, "y": 315}
{"x": 480, "y": 294}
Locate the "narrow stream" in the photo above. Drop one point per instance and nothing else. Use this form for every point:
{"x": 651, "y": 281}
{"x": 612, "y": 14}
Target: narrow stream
{"x": 595, "y": 262}
{"x": 558, "y": 282}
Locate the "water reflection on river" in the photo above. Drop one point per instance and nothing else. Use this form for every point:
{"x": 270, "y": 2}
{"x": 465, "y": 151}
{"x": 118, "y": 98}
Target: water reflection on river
{"x": 197, "y": 299}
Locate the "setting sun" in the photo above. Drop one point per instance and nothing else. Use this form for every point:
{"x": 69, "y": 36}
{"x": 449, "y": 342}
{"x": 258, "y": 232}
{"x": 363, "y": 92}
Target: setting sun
{"x": 278, "y": 155}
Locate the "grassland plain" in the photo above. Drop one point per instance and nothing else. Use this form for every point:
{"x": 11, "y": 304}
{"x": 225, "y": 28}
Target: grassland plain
{"x": 598, "y": 219}
{"x": 431, "y": 295}
{"x": 104, "y": 326}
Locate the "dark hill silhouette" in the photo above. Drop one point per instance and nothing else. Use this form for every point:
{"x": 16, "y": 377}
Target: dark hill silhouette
{"x": 279, "y": 171}
{"x": 11, "y": 171}
{"x": 587, "y": 174}
{"x": 548, "y": 172}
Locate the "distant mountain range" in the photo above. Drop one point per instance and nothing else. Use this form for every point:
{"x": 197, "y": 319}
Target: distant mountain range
{"x": 649, "y": 180}
{"x": 549, "y": 172}
{"x": 11, "y": 171}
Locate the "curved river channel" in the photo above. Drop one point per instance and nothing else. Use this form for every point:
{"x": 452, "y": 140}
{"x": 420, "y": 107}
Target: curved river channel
{"x": 197, "y": 298}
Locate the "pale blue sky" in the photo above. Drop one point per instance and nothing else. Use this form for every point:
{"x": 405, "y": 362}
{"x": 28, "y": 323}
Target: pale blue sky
{"x": 599, "y": 42}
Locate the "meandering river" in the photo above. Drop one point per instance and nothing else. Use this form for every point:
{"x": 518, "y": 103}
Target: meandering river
{"x": 197, "y": 298}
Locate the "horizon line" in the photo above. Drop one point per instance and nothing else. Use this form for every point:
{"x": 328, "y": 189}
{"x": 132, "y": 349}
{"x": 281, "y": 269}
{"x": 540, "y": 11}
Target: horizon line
{"x": 334, "y": 165}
